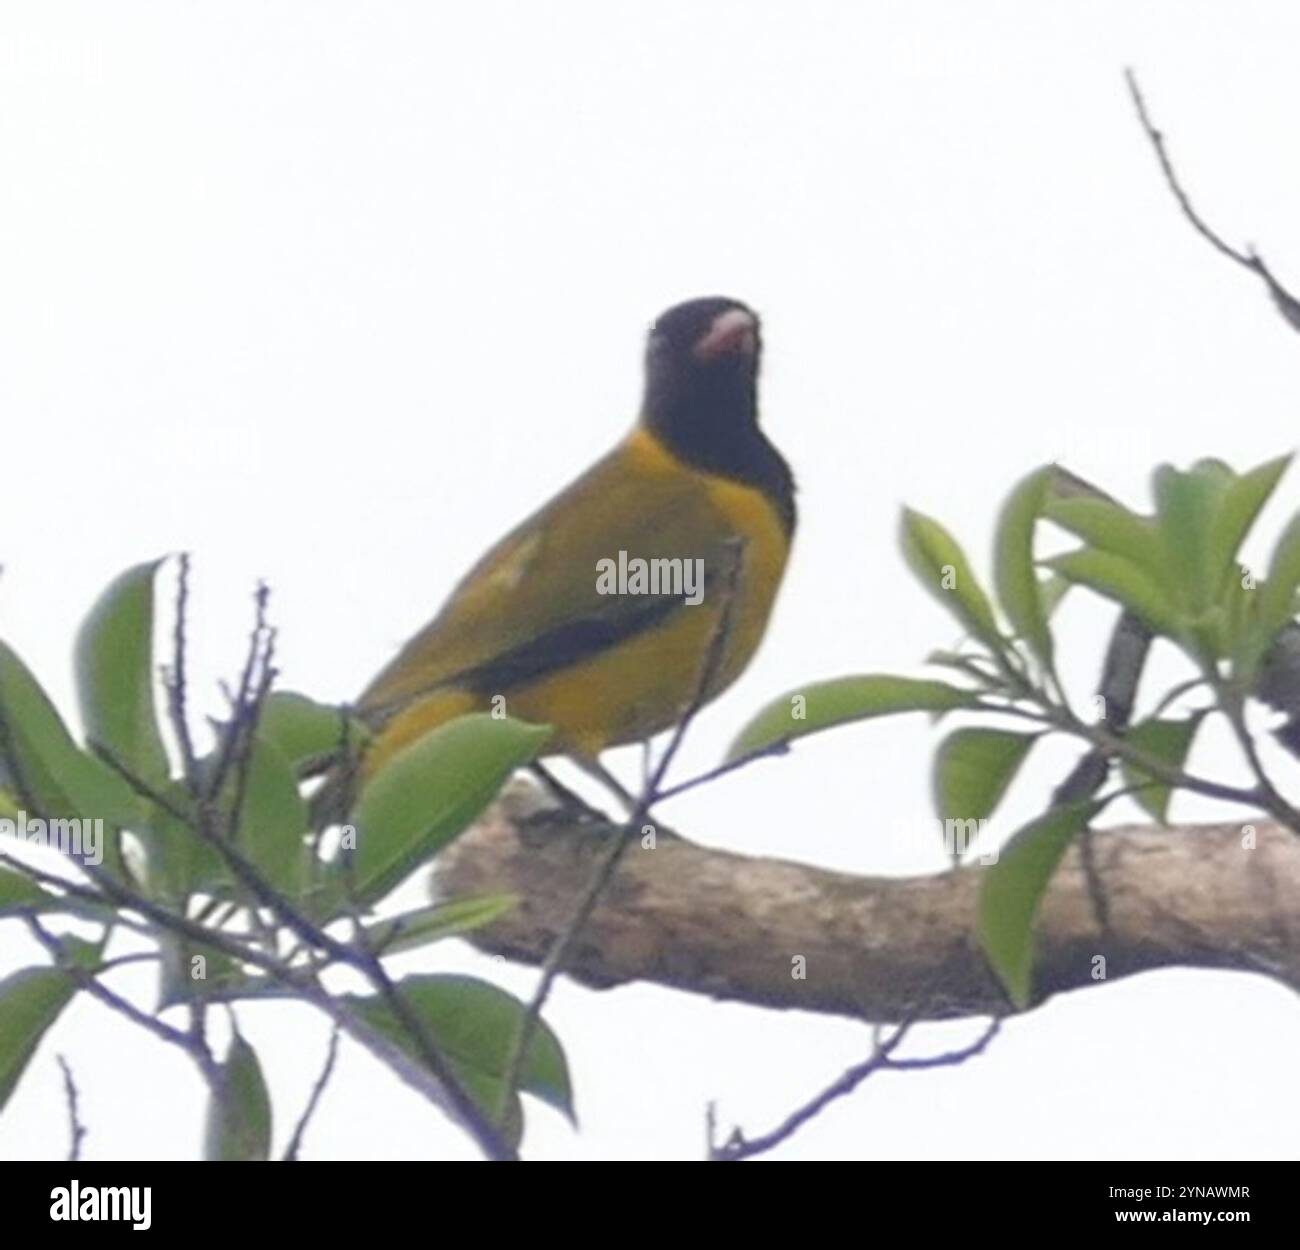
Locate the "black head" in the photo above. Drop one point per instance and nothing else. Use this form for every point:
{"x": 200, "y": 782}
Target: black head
{"x": 701, "y": 394}
{"x": 701, "y": 367}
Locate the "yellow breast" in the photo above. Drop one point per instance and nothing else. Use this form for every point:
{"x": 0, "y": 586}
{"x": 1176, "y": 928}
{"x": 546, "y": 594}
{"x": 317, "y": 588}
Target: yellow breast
{"x": 645, "y": 683}
{"x": 644, "y": 501}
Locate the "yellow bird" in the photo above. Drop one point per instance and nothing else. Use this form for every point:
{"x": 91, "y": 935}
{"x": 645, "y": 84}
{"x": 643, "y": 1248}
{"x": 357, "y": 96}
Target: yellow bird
{"x": 595, "y": 614}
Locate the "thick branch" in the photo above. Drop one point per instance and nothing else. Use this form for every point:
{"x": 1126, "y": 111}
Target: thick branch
{"x": 878, "y": 949}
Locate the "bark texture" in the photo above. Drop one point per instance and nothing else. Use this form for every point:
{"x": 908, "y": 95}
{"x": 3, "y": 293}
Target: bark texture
{"x": 874, "y": 948}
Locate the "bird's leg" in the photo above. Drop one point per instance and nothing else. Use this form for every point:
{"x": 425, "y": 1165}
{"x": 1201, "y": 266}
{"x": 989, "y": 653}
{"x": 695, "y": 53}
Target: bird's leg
{"x": 571, "y": 804}
{"x": 631, "y": 802}
{"x": 594, "y": 768}
{"x": 558, "y": 790}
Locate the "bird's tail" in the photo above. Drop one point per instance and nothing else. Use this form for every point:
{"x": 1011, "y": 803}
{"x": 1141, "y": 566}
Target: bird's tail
{"x": 338, "y": 793}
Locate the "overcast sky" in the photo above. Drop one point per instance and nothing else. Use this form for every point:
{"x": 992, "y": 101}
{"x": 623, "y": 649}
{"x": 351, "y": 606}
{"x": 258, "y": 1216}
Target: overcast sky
{"x": 333, "y": 294}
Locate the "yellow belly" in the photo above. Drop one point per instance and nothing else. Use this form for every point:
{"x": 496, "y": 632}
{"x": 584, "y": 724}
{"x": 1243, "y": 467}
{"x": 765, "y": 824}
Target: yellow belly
{"x": 644, "y": 683}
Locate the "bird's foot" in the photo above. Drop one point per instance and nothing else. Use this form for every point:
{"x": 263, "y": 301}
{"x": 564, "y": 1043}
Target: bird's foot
{"x": 571, "y": 808}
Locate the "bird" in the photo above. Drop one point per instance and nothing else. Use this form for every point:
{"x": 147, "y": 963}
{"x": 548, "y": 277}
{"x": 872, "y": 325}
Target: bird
{"x": 563, "y": 621}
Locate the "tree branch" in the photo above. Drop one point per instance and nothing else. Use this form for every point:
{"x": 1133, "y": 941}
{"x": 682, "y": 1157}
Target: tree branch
{"x": 621, "y": 840}
{"x": 878, "y": 949}
{"x": 87, "y": 981}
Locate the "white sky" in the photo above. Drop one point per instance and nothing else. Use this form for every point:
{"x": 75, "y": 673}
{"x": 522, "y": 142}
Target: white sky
{"x": 333, "y": 294}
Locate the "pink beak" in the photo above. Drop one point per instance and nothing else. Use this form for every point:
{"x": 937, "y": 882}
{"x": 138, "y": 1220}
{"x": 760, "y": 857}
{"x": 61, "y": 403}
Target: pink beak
{"x": 732, "y": 331}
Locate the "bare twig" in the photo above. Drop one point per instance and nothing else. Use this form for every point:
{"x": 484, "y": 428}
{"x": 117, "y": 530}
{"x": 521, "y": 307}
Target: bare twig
{"x": 722, "y": 770}
{"x": 608, "y": 863}
{"x": 447, "y": 1090}
{"x": 1287, "y": 304}
{"x": 87, "y": 981}
{"x": 315, "y": 937}
{"x": 738, "y": 1146}
{"x": 295, "y": 1142}
{"x": 75, "y": 1127}
{"x": 416, "y": 1072}
{"x": 950, "y": 1058}
{"x": 254, "y": 685}
{"x": 236, "y": 749}
{"x": 1233, "y": 706}
{"x": 175, "y": 680}
{"x": 881, "y": 1059}
{"x": 1157, "y": 769}
{"x": 93, "y": 902}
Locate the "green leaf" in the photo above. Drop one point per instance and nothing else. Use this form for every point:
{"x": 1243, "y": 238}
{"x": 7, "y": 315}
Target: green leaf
{"x": 114, "y": 665}
{"x": 1245, "y": 498}
{"x": 1112, "y": 528}
{"x": 30, "y": 1002}
{"x": 1187, "y": 509}
{"x": 64, "y": 781}
{"x": 1013, "y": 889}
{"x": 972, "y": 770}
{"x": 273, "y": 818}
{"x": 325, "y": 892}
{"x": 963, "y": 660}
{"x": 191, "y": 971}
{"x": 1274, "y": 598}
{"x": 1238, "y": 605}
{"x": 271, "y": 832}
{"x": 842, "y": 701}
{"x": 969, "y": 664}
{"x": 239, "y": 1110}
{"x": 1167, "y": 740}
{"x": 307, "y": 733}
{"x": 430, "y": 792}
{"x": 939, "y": 562}
{"x": 1013, "y": 563}
{"x": 473, "y": 1025}
{"x": 20, "y": 894}
{"x": 1124, "y": 582}
{"x": 178, "y": 861}
{"x": 442, "y": 920}
{"x": 1052, "y": 589}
